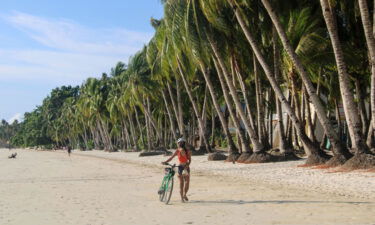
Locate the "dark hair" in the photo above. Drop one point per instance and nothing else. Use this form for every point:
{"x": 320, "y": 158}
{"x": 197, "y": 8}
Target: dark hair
{"x": 183, "y": 146}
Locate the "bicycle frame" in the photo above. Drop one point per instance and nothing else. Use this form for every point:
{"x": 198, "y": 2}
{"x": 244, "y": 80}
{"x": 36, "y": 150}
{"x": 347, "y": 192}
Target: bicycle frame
{"x": 167, "y": 184}
{"x": 167, "y": 177}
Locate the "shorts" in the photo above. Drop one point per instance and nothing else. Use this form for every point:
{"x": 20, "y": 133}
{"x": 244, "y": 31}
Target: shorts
{"x": 181, "y": 169}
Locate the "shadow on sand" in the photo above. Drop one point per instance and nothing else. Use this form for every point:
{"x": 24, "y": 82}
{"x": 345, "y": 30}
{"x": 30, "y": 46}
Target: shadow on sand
{"x": 241, "y": 202}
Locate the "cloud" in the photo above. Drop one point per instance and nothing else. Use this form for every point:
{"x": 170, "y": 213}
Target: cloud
{"x": 53, "y": 66}
{"x": 17, "y": 116}
{"x": 69, "y": 36}
{"x": 68, "y": 52}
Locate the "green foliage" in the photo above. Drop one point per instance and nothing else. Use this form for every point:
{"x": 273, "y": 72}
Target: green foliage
{"x": 126, "y": 107}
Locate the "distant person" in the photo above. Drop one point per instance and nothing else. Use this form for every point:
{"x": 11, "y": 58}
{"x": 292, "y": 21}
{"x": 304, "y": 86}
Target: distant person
{"x": 184, "y": 159}
{"x": 13, "y": 156}
{"x": 69, "y": 150}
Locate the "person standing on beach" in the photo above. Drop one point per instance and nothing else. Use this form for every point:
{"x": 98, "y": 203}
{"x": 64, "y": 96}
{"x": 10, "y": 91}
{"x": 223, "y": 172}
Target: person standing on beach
{"x": 184, "y": 159}
{"x": 69, "y": 150}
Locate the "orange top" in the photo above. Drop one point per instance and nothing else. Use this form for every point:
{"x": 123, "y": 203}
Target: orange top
{"x": 182, "y": 157}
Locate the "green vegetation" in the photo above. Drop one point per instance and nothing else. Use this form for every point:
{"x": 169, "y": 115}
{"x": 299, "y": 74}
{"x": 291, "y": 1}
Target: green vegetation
{"x": 218, "y": 71}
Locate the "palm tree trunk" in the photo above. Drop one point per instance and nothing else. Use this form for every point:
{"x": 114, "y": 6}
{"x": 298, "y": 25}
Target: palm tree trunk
{"x": 370, "y": 40}
{"x": 309, "y": 119}
{"x": 148, "y": 127}
{"x": 179, "y": 107}
{"x": 204, "y": 119}
{"x": 283, "y": 146}
{"x": 85, "y": 137}
{"x": 339, "y": 123}
{"x": 259, "y": 100}
{"x": 244, "y": 93}
{"x": 318, "y": 93}
{"x": 257, "y": 146}
{"x": 244, "y": 141}
{"x": 317, "y": 156}
{"x": 151, "y": 121}
{"x": 139, "y": 126}
{"x": 180, "y": 123}
{"x": 370, "y": 137}
{"x": 350, "y": 108}
{"x": 195, "y": 108}
{"x": 213, "y": 127}
{"x": 341, "y": 153}
{"x": 361, "y": 106}
{"x": 126, "y": 135}
{"x": 133, "y": 131}
{"x": 95, "y": 138}
{"x": 107, "y": 136}
{"x": 233, "y": 151}
{"x": 102, "y": 134}
{"x": 173, "y": 129}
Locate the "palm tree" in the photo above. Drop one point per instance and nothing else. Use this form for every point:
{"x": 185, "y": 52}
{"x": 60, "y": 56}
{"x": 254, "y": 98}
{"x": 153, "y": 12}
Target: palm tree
{"x": 316, "y": 155}
{"x": 369, "y": 34}
{"x": 341, "y": 154}
{"x": 350, "y": 108}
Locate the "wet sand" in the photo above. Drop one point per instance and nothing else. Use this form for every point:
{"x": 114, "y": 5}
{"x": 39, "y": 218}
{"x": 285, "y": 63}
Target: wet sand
{"x": 52, "y": 188}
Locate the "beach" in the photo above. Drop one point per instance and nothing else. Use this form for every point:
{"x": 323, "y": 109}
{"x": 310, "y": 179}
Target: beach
{"x": 95, "y": 187}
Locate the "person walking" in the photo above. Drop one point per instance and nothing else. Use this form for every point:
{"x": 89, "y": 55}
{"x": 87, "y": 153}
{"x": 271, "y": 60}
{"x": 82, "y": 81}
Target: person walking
{"x": 184, "y": 159}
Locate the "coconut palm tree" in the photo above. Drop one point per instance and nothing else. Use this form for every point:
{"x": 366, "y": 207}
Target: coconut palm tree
{"x": 350, "y": 108}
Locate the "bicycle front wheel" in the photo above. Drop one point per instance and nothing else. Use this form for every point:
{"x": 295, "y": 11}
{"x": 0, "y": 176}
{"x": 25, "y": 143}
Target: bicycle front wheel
{"x": 161, "y": 191}
{"x": 161, "y": 194}
{"x": 168, "y": 191}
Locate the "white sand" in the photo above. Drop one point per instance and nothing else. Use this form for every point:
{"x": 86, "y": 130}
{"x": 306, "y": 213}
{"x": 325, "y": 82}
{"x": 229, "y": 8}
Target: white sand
{"x": 358, "y": 184}
{"x": 120, "y": 188}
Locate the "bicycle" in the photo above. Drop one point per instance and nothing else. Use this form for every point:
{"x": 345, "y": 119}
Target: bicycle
{"x": 166, "y": 188}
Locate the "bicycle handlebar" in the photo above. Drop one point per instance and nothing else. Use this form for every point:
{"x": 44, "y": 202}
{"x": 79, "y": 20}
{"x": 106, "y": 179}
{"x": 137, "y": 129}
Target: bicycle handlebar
{"x": 167, "y": 164}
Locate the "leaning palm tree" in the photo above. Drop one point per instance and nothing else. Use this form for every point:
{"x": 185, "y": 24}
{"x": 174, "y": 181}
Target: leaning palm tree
{"x": 341, "y": 153}
{"x": 370, "y": 41}
{"x": 350, "y": 107}
{"x": 140, "y": 86}
{"x": 316, "y": 155}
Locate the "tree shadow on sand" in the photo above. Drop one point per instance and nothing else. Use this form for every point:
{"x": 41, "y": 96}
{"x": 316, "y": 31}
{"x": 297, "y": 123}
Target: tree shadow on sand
{"x": 241, "y": 202}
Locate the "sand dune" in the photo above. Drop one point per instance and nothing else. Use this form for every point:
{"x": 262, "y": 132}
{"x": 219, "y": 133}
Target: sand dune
{"x": 101, "y": 188}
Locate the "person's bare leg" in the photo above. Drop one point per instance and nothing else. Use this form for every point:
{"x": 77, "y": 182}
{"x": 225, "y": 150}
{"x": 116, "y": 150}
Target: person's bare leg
{"x": 187, "y": 183}
{"x": 181, "y": 187}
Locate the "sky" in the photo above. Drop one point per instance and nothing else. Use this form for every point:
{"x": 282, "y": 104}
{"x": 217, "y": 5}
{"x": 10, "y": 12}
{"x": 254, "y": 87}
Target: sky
{"x": 45, "y": 44}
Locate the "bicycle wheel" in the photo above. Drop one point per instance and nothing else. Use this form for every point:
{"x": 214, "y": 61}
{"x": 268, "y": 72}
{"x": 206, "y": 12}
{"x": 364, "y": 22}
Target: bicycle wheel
{"x": 161, "y": 191}
{"x": 161, "y": 195}
{"x": 168, "y": 191}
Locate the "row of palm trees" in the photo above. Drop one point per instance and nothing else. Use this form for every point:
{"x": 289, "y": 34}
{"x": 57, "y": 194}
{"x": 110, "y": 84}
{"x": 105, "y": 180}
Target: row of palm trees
{"x": 214, "y": 65}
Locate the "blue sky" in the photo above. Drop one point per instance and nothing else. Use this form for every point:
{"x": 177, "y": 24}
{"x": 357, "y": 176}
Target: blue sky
{"x": 47, "y": 43}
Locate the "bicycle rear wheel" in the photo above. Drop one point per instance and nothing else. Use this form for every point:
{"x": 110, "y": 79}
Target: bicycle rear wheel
{"x": 168, "y": 191}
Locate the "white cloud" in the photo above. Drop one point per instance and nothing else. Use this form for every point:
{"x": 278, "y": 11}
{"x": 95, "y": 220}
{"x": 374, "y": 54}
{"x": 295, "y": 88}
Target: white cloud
{"x": 17, "y": 116}
{"x": 67, "y": 35}
{"x": 53, "y": 65}
{"x": 69, "y": 52}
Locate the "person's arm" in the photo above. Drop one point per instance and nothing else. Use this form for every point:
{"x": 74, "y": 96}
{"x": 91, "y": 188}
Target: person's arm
{"x": 170, "y": 158}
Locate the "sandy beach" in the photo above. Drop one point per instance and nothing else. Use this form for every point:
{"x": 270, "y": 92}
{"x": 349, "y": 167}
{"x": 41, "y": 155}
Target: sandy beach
{"x": 94, "y": 187}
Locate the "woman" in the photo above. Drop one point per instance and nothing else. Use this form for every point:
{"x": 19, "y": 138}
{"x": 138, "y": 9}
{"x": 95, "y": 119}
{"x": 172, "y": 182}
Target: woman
{"x": 184, "y": 158}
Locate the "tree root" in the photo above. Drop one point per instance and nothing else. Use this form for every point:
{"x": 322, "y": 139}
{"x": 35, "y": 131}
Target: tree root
{"x": 216, "y": 156}
{"x": 288, "y": 156}
{"x": 261, "y": 157}
{"x": 232, "y": 157}
{"x": 243, "y": 157}
{"x": 317, "y": 159}
{"x": 199, "y": 152}
{"x": 335, "y": 161}
{"x": 360, "y": 161}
